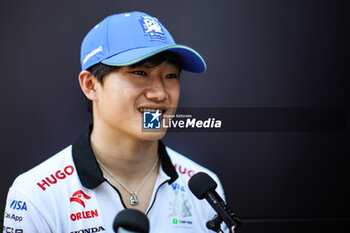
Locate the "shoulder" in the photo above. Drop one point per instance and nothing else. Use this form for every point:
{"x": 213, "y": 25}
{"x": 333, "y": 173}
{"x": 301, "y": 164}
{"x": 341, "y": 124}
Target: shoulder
{"x": 46, "y": 174}
{"x": 36, "y": 195}
{"x": 186, "y": 167}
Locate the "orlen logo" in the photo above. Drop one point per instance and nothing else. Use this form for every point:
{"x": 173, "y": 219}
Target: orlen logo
{"x": 184, "y": 170}
{"x": 59, "y": 175}
{"x": 76, "y": 197}
{"x": 18, "y": 205}
{"x": 84, "y": 215}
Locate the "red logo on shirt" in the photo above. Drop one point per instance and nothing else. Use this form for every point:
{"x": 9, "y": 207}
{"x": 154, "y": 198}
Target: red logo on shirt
{"x": 77, "y": 197}
{"x": 54, "y": 178}
{"x": 84, "y": 215}
{"x": 184, "y": 170}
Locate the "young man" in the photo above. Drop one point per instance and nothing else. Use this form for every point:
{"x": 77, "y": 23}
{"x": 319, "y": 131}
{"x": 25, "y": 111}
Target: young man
{"x": 130, "y": 64}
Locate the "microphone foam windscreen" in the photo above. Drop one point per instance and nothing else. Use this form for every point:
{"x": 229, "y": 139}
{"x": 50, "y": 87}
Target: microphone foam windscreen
{"x": 200, "y": 184}
{"x": 132, "y": 220}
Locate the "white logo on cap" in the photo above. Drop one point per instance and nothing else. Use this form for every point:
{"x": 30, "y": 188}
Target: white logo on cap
{"x": 92, "y": 53}
{"x": 152, "y": 27}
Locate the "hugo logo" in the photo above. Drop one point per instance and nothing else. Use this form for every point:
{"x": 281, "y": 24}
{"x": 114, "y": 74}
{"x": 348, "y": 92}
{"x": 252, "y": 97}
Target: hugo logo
{"x": 76, "y": 197}
{"x": 184, "y": 170}
{"x": 53, "y": 178}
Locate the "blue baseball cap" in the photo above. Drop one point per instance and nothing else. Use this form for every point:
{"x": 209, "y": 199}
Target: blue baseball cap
{"x": 128, "y": 38}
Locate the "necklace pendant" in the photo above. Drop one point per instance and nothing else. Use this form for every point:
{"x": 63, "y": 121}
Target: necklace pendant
{"x": 134, "y": 200}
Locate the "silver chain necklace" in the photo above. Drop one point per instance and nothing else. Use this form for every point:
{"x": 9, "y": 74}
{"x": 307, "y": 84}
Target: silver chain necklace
{"x": 134, "y": 200}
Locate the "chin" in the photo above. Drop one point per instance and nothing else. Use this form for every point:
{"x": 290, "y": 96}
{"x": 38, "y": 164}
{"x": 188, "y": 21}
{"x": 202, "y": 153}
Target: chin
{"x": 152, "y": 136}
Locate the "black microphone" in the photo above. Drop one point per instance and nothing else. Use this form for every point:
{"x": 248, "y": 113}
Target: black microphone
{"x": 203, "y": 186}
{"x": 131, "y": 221}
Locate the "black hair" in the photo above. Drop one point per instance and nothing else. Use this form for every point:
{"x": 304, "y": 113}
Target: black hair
{"x": 100, "y": 71}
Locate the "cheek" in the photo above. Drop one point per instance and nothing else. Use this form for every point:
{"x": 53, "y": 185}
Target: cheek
{"x": 124, "y": 93}
{"x": 174, "y": 91}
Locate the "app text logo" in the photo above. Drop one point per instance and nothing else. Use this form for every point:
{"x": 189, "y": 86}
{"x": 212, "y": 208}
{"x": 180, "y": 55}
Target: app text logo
{"x": 13, "y": 217}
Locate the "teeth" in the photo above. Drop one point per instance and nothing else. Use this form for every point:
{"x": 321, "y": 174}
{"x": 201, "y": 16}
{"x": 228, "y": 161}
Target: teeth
{"x": 150, "y": 109}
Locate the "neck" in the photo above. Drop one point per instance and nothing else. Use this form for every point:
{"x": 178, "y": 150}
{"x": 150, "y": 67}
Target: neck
{"x": 126, "y": 157}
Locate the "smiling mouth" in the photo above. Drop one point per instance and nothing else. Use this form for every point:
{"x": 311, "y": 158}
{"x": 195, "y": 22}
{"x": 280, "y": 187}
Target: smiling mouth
{"x": 162, "y": 111}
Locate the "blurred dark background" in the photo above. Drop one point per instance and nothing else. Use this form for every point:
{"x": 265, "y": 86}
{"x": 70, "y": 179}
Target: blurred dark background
{"x": 260, "y": 54}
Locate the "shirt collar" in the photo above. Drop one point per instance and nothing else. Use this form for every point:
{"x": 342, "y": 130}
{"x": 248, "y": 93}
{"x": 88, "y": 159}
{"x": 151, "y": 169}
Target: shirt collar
{"x": 88, "y": 170}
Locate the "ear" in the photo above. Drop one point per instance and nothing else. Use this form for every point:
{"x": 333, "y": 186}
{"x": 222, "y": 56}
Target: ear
{"x": 88, "y": 84}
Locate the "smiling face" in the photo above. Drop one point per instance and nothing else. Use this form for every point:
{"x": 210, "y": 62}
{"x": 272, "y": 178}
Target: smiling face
{"x": 119, "y": 101}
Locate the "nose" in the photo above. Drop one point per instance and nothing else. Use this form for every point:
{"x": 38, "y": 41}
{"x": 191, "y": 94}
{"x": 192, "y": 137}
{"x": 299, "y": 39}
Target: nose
{"x": 156, "y": 90}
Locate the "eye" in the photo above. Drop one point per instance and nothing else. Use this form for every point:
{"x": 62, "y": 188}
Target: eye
{"x": 139, "y": 72}
{"x": 172, "y": 76}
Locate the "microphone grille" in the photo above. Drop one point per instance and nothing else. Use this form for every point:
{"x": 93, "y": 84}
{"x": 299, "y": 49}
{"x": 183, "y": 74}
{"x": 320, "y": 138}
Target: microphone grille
{"x": 132, "y": 220}
{"x": 200, "y": 184}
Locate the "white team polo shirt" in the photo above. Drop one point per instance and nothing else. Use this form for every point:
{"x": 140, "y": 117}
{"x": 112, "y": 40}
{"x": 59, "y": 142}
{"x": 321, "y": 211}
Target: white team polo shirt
{"x": 68, "y": 193}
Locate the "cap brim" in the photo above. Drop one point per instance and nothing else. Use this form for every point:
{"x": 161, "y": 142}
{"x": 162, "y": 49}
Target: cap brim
{"x": 191, "y": 60}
